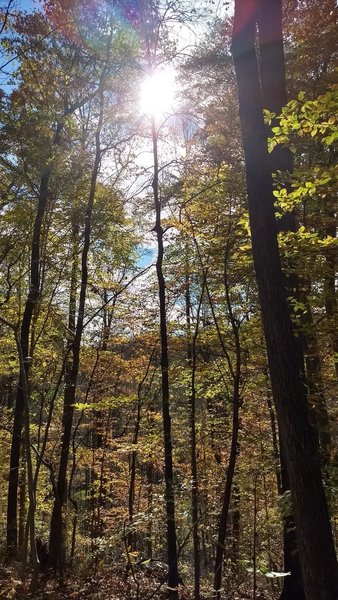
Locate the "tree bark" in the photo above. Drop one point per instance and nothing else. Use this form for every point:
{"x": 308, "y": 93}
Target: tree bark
{"x": 234, "y": 446}
{"x": 133, "y": 457}
{"x": 149, "y": 538}
{"x": 274, "y": 97}
{"x": 25, "y": 332}
{"x": 293, "y": 588}
{"x": 191, "y": 359}
{"x": 31, "y": 302}
{"x": 168, "y": 454}
{"x": 299, "y": 440}
{"x": 56, "y": 554}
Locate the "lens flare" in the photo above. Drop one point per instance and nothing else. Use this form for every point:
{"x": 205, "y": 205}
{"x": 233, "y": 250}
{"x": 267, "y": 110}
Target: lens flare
{"x": 158, "y": 92}
{"x": 90, "y": 24}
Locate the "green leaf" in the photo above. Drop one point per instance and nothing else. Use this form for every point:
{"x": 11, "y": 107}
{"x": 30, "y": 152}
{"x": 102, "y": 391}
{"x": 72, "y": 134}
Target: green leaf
{"x": 331, "y": 138}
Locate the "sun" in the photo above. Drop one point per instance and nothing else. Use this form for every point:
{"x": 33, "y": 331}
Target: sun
{"x": 158, "y": 93}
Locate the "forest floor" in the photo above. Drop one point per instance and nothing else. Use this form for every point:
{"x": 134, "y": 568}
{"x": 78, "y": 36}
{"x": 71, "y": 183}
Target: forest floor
{"x": 106, "y": 585}
{"x": 109, "y": 584}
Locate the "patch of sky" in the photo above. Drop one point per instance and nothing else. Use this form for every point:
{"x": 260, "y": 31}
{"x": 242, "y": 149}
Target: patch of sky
{"x": 28, "y": 5}
{"x": 146, "y": 256}
{"x": 8, "y": 63}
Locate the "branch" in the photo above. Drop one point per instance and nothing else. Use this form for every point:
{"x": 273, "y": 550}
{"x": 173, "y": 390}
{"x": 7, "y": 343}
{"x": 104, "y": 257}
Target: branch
{"x": 4, "y": 23}
{"x": 114, "y": 296}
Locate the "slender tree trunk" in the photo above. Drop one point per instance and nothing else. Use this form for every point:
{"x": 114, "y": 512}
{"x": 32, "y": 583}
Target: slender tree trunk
{"x": 223, "y": 520}
{"x": 299, "y": 440}
{"x": 72, "y": 500}
{"x": 29, "y": 535}
{"x": 56, "y": 541}
{"x": 236, "y": 526}
{"x": 255, "y": 538}
{"x": 236, "y": 375}
{"x": 22, "y": 507}
{"x": 133, "y": 457}
{"x": 191, "y": 356}
{"x": 168, "y": 454}
{"x": 131, "y": 495}
{"x": 149, "y": 540}
{"x": 29, "y": 310}
{"x": 31, "y": 302}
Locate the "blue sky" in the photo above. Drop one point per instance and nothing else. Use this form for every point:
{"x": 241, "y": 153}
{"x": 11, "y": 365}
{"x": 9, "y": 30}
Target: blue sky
{"x": 28, "y": 4}
{"x": 22, "y": 4}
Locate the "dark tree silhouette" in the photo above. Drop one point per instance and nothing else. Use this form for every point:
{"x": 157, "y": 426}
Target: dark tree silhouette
{"x": 298, "y": 437}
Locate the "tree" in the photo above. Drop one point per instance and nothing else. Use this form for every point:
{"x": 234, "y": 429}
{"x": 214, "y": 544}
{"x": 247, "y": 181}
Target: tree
{"x": 46, "y": 169}
{"x": 297, "y": 436}
{"x": 92, "y": 456}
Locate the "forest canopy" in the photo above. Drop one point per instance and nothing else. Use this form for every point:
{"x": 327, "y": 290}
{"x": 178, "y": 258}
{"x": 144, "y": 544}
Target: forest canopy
{"x": 168, "y": 299}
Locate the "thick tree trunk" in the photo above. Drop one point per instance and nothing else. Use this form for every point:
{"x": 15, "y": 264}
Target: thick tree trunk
{"x": 299, "y": 440}
{"x": 274, "y": 97}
